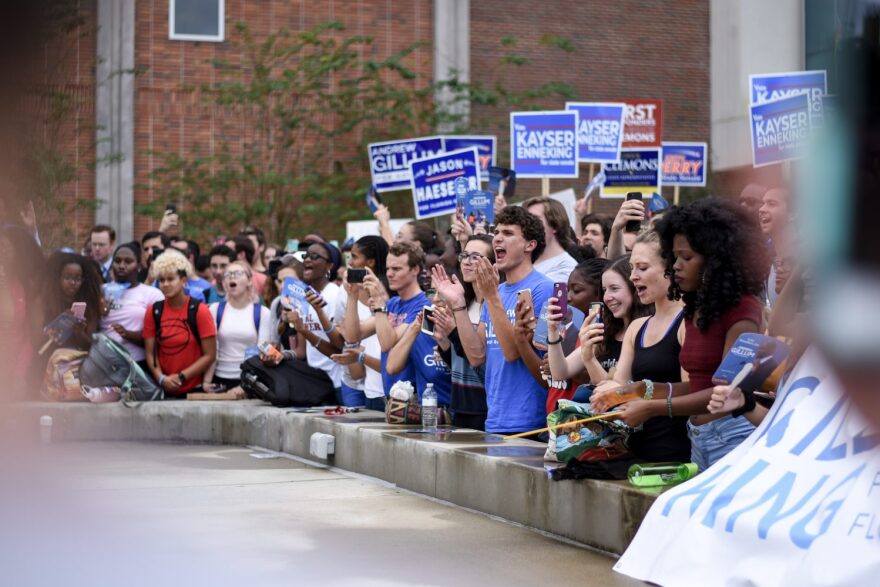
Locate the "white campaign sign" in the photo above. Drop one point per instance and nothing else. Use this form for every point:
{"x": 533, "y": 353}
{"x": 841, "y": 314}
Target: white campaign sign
{"x": 796, "y": 504}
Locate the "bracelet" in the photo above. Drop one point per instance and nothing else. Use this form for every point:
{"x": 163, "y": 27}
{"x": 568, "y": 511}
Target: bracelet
{"x": 361, "y": 358}
{"x": 649, "y": 388}
{"x": 557, "y": 341}
{"x": 459, "y": 309}
{"x": 669, "y": 402}
{"x": 332, "y": 327}
{"x": 161, "y": 379}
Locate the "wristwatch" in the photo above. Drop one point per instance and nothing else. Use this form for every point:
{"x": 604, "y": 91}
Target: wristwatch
{"x": 182, "y": 377}
{"x": 383, "y": 309}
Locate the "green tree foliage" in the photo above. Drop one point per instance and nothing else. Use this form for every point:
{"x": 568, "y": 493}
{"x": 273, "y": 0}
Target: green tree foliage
{"x": 311, "y": 103}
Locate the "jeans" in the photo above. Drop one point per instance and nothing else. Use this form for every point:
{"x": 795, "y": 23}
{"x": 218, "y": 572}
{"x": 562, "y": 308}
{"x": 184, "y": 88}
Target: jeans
{"x": 375, "y": 403}
{"x": 713, "y": 440}
{"x": 350, "y": 397}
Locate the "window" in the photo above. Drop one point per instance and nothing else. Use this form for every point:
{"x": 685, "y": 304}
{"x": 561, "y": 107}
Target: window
{"x": 195, "y": 20}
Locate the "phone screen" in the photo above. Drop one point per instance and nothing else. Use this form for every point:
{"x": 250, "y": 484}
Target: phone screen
{"x": 428, "y": 325}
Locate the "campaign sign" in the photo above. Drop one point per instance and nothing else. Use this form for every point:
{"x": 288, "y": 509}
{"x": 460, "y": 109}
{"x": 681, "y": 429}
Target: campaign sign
{"x": 434, "y": 180}
{"x": 769, "y": 87}
{"x": 684, "y": 164}
{"x": 780, "y": 129}
{"x": 389, "y": 161}
{"x": 544, "y": 144}
{"x": 486, "y": 149}
{"x": 637, "y": 171}
{"x": 642, "y": 123}
{"x": 600, "y": 130}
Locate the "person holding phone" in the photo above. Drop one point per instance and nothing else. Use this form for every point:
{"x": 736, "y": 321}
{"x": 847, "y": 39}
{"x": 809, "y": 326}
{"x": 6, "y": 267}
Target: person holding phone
{"x": 625, "y": 228}
{"x": 73, "y": 278}
{"x": 127, "y": 300}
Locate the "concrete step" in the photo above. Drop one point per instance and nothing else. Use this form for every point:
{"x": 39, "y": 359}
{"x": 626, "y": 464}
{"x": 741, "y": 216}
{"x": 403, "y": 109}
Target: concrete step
{"x": 483, "y": 472}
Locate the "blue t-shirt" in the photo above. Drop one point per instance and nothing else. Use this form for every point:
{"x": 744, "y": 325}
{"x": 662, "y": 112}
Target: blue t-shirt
{"x": 213, "y": 296}
{"x": 516, "y": 401}
{"x": 402, "y": 312}
{"x": 430, "y": 368}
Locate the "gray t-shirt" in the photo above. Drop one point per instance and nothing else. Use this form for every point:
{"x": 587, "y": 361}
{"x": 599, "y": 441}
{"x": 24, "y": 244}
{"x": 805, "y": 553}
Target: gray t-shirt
{"x": 557, "y": 268}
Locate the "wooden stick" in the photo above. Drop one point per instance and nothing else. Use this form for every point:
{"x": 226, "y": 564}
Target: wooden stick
{"x": 675, "y": 198}
{"x": 46, "y": 346}
{"x": 545, "y": 186}
{"x": 548, "y": 428}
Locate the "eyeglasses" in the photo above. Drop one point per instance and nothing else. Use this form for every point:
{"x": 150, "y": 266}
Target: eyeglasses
{"x": 472, "y": 257}
{"x": 316, "y": 256}
{"x": 234, "y": 274}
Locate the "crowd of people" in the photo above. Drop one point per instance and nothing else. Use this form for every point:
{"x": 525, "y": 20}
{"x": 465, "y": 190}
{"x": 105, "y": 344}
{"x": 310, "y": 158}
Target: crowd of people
{"x": 659, "y": 308}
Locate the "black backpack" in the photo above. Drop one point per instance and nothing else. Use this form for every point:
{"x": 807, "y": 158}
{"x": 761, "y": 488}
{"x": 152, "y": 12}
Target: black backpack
{"x": 290, "y": 383}
{"x": 192, "y": 310}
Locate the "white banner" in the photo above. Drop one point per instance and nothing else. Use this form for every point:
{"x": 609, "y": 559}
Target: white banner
{"x": 798, "y": 503}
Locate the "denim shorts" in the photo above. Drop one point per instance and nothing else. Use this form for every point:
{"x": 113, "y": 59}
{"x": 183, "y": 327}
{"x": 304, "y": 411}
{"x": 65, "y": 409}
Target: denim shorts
{"x": 713, "y": 440}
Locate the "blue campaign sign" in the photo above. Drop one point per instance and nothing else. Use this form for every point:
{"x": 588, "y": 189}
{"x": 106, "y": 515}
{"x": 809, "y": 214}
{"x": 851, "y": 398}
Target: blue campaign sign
{"x": 389, "y": 161}
{"x": 600, "y": 130}
{"x": 769, "y": 87}
{"x": 684, "y": 164}
{"x": 780, "y": 129}
{"x": 434, "y": 181}
{"x": 486, "y": 149}
{"x": 544, "y": 144}
{"x": 637, "y": 171}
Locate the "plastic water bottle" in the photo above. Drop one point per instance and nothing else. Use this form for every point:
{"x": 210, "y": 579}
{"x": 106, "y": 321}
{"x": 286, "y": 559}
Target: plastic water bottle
{"x": 429, "y": 408}
{"x": 661, "y": 474}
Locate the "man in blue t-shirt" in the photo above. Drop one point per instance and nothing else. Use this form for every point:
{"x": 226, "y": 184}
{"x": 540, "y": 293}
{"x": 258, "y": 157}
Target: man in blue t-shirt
{"x": 514, "y": 395}
{"x": 403, "y": 265}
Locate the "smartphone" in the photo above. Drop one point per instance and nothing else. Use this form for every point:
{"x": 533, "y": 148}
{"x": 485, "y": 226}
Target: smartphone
{"x": 373, "y": 199}
{"x": 171, "y": 208}
{"x": 321, "y": 301}
{"x": 79, "y": 310}
{"x": 356, "y": 275}
{"x": 560, "y": 292}
{"x": 525, "y": 296}
{"x": 428, "y": 325}
{"x": 597, "y": 307}
{"x": 633, "y": 225}
{"x": 292, "y": 245}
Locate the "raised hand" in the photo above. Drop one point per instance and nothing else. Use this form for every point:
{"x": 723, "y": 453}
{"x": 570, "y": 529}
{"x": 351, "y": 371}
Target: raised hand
{"x": 629, "y": 210}
{"x": 449, "y": 288}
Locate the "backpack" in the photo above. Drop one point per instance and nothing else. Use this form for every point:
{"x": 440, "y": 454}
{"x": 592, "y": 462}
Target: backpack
{"x": 221, "y": 307}
{"x": 61, "y": 381}
{"x": 192, "y": 310}
{"x": 110, "y": 365}
{"x": 290, "y": 383}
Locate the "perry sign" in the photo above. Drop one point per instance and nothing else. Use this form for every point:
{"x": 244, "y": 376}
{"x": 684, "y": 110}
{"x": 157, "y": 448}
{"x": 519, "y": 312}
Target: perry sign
{"x": 643, "y": 123}
{"x": 544, "y": 144}
{"x": 637, "y": 171}
{"x": 389, "y": 160}
{"x": 780, "y": 129}
{"x": 769, "y": 87}
{"x": 433, "y": 180}
{"x": 486, "y": 148}
{"x": 600, "y": 130}
{"x": 684, "y": 164}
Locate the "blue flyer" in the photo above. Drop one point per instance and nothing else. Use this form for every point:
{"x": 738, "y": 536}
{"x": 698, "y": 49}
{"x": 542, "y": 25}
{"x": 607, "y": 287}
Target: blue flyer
{"x": 486, "y": 149}
{"x": 478, "y": 210}
{"x": 390, "y": 160}
{"x": 780, "y": 129}
{"x": 600, "y": 130}
{"x": 684, "y": 164}
{"x": 293, "y": 295}
{"x": 434, "y": 181}
{"x": 544, "y": 144}
{"x": 763, "y": 353}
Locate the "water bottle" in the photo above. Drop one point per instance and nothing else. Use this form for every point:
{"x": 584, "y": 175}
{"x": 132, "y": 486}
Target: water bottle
{"x": 661, "y": 474}
{"x": 429, "y": 408}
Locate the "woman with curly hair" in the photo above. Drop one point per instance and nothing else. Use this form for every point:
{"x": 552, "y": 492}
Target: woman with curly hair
{"x": 73, "y": 278}
{"x": 716, "y": 255}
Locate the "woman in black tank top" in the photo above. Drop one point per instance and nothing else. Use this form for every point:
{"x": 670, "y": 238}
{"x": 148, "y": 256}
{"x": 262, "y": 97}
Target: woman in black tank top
{"x": 662, "y": 438}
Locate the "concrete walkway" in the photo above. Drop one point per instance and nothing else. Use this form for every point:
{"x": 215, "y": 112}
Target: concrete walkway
{"x": 216, "y": 515}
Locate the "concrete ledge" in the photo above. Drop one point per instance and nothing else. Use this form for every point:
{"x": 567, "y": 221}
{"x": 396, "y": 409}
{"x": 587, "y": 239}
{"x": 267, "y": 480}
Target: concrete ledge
{"x": 468, "y": 468}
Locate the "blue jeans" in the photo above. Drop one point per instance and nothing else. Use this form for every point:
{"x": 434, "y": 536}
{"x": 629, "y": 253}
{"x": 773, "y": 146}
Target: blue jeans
{"x": 713, "y": 440}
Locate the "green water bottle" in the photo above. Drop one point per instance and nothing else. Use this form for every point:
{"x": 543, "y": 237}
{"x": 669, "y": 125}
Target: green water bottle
{"x": 661, "y": 474}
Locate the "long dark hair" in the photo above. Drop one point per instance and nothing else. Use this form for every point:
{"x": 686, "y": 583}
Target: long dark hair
{"x": 737, "y": 260}
{"x": 375, "y": 248}
{"x": 89, "y": 290}
{"x": 469, "y": 294}
{"x": 614, "y": 326}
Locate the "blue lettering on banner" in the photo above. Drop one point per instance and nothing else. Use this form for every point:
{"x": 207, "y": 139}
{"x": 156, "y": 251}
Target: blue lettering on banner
{"x": 684, "y": 164}
{"x": 390, "y": 160}
{"x": 434, "y": 181}
{"x": 544, "y": 144}
{"x": 600, "y": 130}
{"x": 486, "y": 149}
{"x": 770, "y": 87}
{"x": 780, "y": 130}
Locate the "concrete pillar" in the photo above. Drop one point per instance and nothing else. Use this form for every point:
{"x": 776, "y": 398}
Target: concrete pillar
{"x": 452, "y": 52}
{"x": 114, "y": 116}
